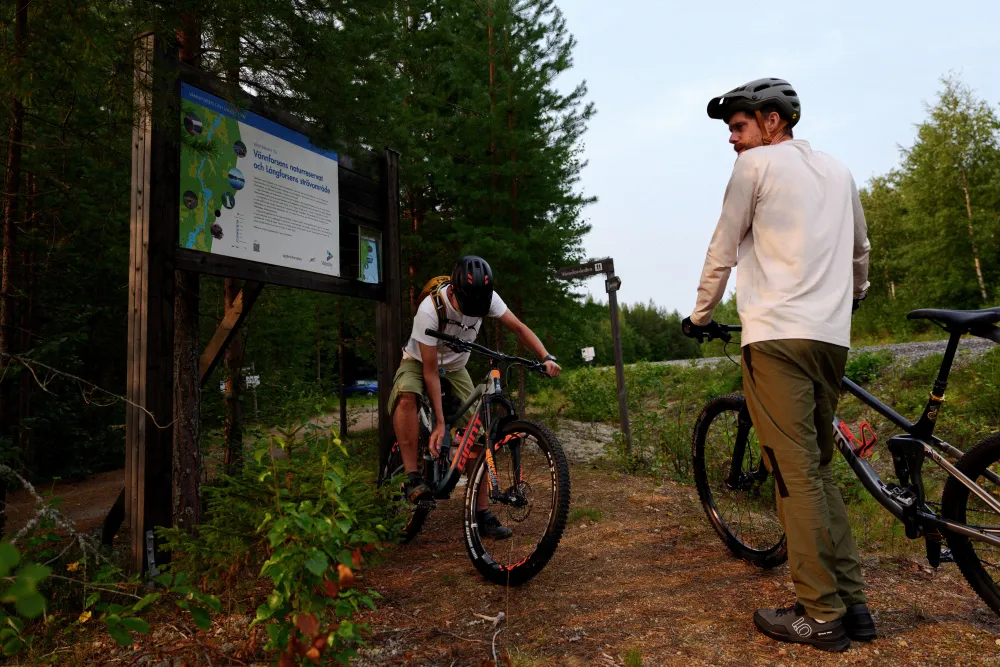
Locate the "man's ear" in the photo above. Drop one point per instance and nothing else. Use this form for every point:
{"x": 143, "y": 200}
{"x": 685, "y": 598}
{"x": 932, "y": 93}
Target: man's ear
{"x": 773, "y": 122}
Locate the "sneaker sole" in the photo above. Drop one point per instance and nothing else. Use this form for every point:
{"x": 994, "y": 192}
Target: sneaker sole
{"x": 833, "y": 647}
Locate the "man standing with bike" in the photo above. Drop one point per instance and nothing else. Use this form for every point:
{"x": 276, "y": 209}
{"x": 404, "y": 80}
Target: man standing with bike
{"x": 792, "y": 224}
{"x": 463, "y": 303}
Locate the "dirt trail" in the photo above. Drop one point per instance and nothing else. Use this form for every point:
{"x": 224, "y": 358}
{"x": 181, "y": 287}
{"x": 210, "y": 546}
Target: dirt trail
{"x": 650, "y": 576}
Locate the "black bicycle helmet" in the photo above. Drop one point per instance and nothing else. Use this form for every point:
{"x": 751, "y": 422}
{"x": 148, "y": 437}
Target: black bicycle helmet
{"x": 757, "y": 95}
{"x": 472, "y": 280}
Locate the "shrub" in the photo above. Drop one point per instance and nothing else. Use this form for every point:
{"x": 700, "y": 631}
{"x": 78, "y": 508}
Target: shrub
{"x": 867, "y": 366}
{"x": 304, "y": 521}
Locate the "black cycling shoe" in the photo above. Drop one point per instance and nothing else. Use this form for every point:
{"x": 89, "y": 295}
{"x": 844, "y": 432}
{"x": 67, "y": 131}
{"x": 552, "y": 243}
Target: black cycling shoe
{"x": 792, "y": 624}
{"x": 859, "y": 624}
{"x": 489, "y": 526}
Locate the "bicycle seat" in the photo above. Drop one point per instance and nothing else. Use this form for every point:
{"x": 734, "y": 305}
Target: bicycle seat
{"x": 961, "y": 320}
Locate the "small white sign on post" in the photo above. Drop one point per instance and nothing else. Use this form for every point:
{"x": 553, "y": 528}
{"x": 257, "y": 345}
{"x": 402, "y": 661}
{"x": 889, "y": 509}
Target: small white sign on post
{"x": 253, "y": 381}
{"x": 588, "y": 354}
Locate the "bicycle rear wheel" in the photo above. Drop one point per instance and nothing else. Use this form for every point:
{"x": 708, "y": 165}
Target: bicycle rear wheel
{"x": 735, "y": 488}
{"x": 978, "y": 561}
{"x": 417, "y": 513}
{"x": 535, "y": 509}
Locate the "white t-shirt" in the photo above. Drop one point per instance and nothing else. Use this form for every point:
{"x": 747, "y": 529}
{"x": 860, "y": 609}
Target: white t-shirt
{"x": 427, "y": 318}
{"x": 793, "y": 226}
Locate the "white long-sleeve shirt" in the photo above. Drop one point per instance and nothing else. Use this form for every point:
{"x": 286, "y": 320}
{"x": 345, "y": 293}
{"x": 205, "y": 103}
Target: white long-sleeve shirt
{"x": 792, "y": 224}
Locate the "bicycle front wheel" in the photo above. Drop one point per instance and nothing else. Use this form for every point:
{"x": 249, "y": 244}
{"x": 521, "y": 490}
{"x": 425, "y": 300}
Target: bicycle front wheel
{"x": 534, "y": 505}
{"x": 735, "y": 488}
{"x": 978, "y": 561}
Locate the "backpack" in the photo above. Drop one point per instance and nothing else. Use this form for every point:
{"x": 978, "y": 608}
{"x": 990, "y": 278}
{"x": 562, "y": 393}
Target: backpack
{"x": 432, "y": 288}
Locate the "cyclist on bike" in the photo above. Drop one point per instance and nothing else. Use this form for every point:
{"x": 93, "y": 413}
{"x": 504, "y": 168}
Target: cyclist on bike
{"x": 426, "y": 361}
{"x": 792, "y": 224}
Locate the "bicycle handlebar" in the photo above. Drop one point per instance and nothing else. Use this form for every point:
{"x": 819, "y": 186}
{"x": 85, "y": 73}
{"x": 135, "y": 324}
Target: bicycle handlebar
{"x": 460, "y": 345}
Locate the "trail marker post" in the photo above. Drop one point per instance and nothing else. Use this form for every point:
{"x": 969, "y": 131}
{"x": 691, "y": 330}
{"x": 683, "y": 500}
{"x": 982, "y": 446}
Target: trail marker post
{"x": 612, "y": 284}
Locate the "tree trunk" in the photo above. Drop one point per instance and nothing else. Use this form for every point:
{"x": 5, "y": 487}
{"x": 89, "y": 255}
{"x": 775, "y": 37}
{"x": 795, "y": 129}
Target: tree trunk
{"x": 234, "y": 388}
{"x": 12, "y": 183}
{"x": 187, "y": 403}
{"x": 972, "y": 237}
{"x": 319, "y": 349}
{"x": 27, "y": 312}
{"x": 234, "y": 352}
{"x": 494, "y": 174}
{"x": 340, "y": 360}
{"x": 187, "y": 376}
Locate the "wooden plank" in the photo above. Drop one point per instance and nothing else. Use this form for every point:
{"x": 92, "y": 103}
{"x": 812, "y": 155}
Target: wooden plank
{"x": 366, "y": 214}
{"x": 389, "y": 313}
{"x": 228, "y": 328}
{"x": 154, "y": 209}
{"x": 233, "y": 267}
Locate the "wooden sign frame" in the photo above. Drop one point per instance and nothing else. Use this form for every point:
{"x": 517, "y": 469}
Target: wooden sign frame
{"x": 368, "y": 197}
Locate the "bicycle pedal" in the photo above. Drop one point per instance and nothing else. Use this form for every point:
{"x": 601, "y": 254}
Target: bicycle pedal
{"x": 947, "y": 556}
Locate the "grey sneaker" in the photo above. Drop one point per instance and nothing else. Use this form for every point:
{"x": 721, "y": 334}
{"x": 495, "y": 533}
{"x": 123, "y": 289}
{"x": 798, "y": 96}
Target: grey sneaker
{"x": 792, "y": 624}
{"x": 859, "y": 623}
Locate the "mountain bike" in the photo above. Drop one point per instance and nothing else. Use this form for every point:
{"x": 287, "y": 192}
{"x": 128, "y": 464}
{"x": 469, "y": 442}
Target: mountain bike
{"x": 737, "y": 491}
{"x": 520, "y": 462}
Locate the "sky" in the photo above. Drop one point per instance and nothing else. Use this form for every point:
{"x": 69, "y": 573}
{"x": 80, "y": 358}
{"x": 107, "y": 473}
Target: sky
{"x": 658, "y": 165}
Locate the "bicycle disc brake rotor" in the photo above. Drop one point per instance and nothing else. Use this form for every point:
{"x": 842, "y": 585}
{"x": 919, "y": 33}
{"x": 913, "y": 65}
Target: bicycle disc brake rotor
{"x": 520, "y": 507}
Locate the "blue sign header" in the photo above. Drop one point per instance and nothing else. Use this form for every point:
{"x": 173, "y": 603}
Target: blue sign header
{"x": 220, "y": 106}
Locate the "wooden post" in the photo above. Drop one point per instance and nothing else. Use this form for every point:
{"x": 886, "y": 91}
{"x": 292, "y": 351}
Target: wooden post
{"x": 228, "y": 329}
{"x": 389, "y": 313}
{"x": 153, "y": 219}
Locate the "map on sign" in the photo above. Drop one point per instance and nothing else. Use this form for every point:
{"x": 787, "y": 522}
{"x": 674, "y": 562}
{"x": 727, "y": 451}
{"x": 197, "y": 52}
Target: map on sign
{"x": 254, "y": 189}
{"x": 368, "y": 252}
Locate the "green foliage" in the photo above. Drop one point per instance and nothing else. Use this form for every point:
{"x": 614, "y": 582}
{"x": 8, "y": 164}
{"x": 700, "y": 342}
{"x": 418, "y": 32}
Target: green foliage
{"x": 303, "y": 523}
{"x": 866, "y": 366}
{"x": 18, "y": 589}
{"x": 584, "y": 513}
{"x": 931, "y": 217}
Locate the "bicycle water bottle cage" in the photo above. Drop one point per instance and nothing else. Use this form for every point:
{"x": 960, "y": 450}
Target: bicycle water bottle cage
{"x": 862, "y": 447}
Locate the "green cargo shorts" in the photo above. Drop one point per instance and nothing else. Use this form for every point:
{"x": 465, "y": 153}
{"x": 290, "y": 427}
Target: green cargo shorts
{"x": 410, "y": 380}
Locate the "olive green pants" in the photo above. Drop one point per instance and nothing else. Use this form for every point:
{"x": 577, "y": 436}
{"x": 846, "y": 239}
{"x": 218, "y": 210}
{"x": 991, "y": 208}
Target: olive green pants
{"x": 792, "y": 388}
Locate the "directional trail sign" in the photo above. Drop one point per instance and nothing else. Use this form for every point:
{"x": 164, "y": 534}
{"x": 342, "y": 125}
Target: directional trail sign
{"x": 587, "y": 269}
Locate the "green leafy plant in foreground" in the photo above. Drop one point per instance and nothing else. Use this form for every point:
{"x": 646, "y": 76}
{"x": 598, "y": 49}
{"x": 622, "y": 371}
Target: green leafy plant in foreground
{"x": 20, "y": 589}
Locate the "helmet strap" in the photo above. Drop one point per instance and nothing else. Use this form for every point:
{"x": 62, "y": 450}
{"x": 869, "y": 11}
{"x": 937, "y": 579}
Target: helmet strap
{"x": 767, "y": 136}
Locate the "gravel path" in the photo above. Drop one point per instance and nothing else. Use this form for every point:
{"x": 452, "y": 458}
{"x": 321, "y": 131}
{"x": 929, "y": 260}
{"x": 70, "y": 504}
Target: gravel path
{"x": 969, "y": 346}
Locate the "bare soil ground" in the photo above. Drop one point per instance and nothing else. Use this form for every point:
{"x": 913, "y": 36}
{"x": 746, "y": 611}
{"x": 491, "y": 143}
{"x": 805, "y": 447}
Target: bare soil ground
{"x": 639, "y": 574}
{"x": 651, "y": 577}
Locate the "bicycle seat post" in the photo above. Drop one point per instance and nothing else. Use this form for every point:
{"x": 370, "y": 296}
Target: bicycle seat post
{"x": 924, "y": 427}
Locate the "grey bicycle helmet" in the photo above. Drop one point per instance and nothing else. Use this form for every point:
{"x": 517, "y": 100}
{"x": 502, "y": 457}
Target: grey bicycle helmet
{"x": 756, "y": 95}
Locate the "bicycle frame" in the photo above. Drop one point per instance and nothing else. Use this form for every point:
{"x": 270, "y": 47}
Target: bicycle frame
{"x": 906, "y": 501}
{"x": 487, "y": 393}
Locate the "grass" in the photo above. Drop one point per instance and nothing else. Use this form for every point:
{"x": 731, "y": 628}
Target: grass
{"x": 633, "y": 658}
{"x": 584, "y": 513}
